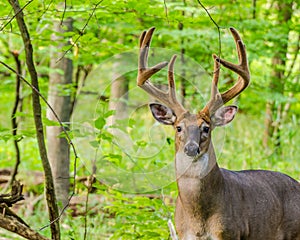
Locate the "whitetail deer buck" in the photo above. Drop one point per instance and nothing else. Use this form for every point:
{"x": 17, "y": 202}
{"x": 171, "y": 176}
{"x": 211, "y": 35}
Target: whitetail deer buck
{"x": 214, "y": 203}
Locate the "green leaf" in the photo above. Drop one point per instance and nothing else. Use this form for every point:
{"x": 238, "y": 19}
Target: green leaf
{"x": 113, "y": 158}
{"x": 94, "y": 144}
{"x": 109, "y": 113}
{"x": 131, "y": 122}
{"x": 100, "y": 123}
{"x": 49, "y": 122}
{"x": 141, "y": 143}
{"x": 5, "y": 137}
{"x": 106, "y": 136}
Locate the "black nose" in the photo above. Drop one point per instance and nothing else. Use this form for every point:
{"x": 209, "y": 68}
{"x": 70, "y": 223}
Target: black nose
{"x": 192, "y": 149}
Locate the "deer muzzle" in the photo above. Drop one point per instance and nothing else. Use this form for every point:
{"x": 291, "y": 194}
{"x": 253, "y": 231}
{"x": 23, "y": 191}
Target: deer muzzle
{"x": 192, "y": 148}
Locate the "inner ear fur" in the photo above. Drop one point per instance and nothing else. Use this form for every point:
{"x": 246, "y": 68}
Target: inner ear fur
{"x": 162, "y": 113}
{"x": 224, "y": 115}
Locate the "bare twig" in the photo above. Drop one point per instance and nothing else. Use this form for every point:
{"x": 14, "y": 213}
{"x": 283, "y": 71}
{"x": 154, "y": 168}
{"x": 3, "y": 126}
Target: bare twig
{"x": 64, "y": 12}
{"x": 91, "y": 181}
{"x": 15, "y": 195}
{"x": 16, "y": 13}
{"x": 46, "y": 9}
{"x": 215, "y": 23}
{"x": 82, "y": 31}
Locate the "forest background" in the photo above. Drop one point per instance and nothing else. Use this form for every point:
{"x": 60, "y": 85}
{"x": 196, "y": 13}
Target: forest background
{"x": 71, "y": 116}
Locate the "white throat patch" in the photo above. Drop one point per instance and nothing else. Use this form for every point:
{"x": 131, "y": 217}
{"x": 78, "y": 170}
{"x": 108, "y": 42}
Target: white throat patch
{"x": 190, "y": 167}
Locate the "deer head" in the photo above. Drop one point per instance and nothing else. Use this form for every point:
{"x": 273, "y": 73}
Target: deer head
{"x": 193, "y": 131}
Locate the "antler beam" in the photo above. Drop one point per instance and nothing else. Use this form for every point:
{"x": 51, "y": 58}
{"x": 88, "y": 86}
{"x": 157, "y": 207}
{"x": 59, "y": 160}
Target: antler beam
{"x": 144, "y": 73}
{"x": 218, "y": 99}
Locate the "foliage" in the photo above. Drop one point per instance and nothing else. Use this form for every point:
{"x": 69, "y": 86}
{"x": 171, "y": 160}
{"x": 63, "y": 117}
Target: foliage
{"x": 106, "y": 32}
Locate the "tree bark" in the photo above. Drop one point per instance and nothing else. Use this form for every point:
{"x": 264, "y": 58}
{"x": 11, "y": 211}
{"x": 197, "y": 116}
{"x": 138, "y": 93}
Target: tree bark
{"x": 58, "y": 147}
{"x": 37, "y": 113}
{"x": 118, "y": 95}
{"x": 11, "y": 224}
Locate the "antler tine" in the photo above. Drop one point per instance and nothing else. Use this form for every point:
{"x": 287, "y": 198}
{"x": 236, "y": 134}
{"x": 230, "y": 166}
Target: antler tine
{"x": 144, "y": 73}
{"x": 215, "y": 97}
{"x": 176, "y": 106}
{"x": 242, "y": 69}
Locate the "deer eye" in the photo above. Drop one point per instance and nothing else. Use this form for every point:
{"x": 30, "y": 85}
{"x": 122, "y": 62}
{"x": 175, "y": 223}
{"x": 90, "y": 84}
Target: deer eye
{"x": 179, "y": 129}
{"x": 206, "y": 129}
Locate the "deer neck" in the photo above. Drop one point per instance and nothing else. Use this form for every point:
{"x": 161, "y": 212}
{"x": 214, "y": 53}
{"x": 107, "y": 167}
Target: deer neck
{"x": 198, "y": 179}
{"x": 195, "y": 168}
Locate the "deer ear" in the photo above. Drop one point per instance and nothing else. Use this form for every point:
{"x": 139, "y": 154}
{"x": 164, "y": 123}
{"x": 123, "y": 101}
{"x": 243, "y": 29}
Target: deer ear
{"x": 162, "y": 114}
{"x": 224, "y": 115}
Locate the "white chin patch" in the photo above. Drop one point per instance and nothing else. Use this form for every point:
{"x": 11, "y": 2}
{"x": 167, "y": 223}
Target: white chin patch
{"x": 199, "y": 157}
{"x": 192, "y": 166}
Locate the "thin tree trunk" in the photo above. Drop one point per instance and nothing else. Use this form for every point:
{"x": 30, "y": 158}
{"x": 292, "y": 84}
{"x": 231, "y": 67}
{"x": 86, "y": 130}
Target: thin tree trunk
{"x": 14, "y": 121}
{"x": 37, "y": 113}
{"x": 118, "y": 95}
{"x": 58, "y": 147}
